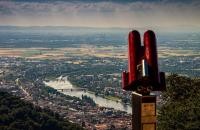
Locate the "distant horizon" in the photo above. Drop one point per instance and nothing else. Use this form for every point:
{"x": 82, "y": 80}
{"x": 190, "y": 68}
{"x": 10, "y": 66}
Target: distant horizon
{"x": 159, "y": 29}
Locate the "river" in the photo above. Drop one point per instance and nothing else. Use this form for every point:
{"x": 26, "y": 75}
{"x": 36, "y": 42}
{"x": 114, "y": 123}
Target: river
{"x": 65, "y": 84}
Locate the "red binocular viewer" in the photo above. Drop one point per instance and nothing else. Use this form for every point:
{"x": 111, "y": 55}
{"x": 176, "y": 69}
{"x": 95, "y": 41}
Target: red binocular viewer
{"x": 143, "y": 73}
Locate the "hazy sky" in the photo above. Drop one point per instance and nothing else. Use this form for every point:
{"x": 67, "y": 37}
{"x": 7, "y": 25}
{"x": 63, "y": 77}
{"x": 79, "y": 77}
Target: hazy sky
{"x": 101, "y": 13}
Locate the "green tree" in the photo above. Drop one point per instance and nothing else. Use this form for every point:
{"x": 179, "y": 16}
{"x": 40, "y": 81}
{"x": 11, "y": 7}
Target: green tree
{"x": 180, "y": 109}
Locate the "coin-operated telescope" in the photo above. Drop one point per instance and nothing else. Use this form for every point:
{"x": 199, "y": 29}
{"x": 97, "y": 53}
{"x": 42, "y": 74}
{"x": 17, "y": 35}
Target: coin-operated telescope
{"x": 143, "y": 75}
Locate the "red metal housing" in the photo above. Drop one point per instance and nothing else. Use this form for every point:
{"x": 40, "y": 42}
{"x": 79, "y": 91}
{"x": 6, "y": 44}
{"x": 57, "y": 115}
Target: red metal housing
{"x": 133, "y": 54}
{"x": 142, "y": 64}
{"x": 150, "y": 53}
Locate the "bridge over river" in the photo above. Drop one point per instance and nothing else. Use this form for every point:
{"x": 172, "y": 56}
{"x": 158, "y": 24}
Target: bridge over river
{"x": 72, "y": 89}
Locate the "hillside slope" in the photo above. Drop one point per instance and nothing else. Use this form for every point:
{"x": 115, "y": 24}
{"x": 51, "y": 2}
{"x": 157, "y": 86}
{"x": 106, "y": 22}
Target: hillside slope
{"x": 180, "y": 109}
{"x": 16, "y": 114}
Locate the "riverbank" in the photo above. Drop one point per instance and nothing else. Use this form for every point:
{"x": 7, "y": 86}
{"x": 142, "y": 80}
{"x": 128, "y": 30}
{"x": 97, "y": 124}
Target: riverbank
{"x": 117, "y": 99}
{"x": 64, "y": 79}
{"x": 108, "y": 101}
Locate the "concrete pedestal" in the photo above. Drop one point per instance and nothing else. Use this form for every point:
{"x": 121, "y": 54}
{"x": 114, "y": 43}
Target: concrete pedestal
{"x": 143, "y": 112}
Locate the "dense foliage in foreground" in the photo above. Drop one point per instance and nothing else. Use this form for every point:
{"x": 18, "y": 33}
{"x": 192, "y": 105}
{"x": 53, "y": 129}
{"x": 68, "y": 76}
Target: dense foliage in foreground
{"x": 181, "y": 104}
{"x": 16, "y": 114}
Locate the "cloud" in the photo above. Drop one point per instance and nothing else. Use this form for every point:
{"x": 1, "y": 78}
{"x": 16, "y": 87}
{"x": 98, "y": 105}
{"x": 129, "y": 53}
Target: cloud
{"x": 144, "y": 13}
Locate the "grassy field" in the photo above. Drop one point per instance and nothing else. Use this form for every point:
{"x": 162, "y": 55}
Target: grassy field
{"x": 113, "y": 98}
{"x": 61, "y": 53}
{"x": 102, "y": 51}
{"x": 30, "y": 53}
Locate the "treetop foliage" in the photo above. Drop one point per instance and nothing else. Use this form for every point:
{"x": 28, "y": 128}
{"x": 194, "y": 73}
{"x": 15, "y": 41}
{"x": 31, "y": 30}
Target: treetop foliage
{"x": 180, "y": 109}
